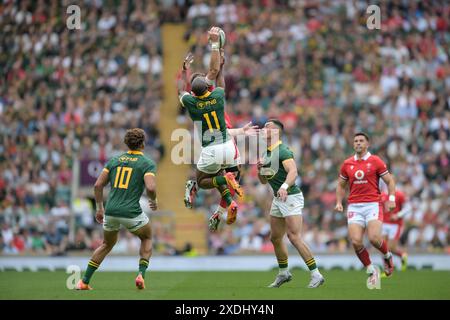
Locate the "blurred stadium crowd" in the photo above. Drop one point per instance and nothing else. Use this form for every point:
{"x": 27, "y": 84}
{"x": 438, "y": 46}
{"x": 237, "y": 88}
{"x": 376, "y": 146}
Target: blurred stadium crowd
{"x": 67, "y": 94}
{"x": 312, "y": 64}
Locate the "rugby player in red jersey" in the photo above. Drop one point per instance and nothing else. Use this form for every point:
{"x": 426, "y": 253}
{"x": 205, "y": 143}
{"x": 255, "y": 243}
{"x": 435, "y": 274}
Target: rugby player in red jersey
{"x": 361, "y": 172}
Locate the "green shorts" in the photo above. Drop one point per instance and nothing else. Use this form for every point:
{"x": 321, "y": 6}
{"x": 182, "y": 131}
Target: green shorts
{"x": 292, "y": 206}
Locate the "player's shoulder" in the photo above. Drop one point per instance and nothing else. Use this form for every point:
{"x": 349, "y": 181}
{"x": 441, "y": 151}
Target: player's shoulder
{"x": 218, "y": 91}
{"x": 375, "y": 158}
{"x": 349, "y": 160}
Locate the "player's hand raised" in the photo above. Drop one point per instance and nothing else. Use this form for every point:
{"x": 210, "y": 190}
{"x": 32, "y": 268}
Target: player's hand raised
{"x": 188, "y": 61}
{"x": 339, "y": 207}
{"x": 99, "y": 215}
{"x": 213, "y": 34}
{"x": 250, "y": 130}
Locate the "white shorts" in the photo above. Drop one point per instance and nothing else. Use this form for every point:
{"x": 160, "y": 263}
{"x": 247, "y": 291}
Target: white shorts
{"x": 363, "y": 212}
{"x": 392, "y": 230}
{"x": 220, "y": 156}
{"x": 293, "y": 206}
{"x": 111, "y": 223}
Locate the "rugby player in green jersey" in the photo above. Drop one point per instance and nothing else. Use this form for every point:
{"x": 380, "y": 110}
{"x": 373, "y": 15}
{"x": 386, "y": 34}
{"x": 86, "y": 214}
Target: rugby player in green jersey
{"x": 247, "y": 130}
{"x": 129, "y": 174}
{"x": 279, "y": 169}
{"x": 206, "y": 109}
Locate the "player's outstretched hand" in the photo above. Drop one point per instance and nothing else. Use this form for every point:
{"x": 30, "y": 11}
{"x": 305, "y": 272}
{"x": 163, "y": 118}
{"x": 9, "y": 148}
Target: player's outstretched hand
{"x": 339, "y": 207}
{"x": 99, "y": 215}
{"x": 213, "y": 34}
{"x": 153, "y": 204}
{"x": 250, "y": 130}
{"x": 188, "y": 61}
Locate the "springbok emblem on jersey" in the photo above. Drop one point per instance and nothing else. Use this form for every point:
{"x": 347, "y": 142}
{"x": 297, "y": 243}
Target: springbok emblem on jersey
{"x": 359, "y": 174}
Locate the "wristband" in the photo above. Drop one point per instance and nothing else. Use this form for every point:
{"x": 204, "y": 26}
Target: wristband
{"x": 392, "y": 198}
{"x": 99, "y": 205}
{"x": 284, "y": 186}
{"x": 215, "y": 45}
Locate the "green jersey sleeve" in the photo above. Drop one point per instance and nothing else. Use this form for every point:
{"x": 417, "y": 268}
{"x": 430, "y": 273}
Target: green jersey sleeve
{"x": 185, "y": 98}
{"x": 149, "y": 168}
{"x": 285, "y": 154}
{"x": 220, "y": 92}
{"x": 109, "y": 165}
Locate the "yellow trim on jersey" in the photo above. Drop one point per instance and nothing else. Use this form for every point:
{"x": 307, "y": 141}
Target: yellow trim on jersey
{"x": 205, "y": 95}
{"x": 106, "y": 170}
{"x": 274, "y": 145}
{"x": 149, "y": 174}
{"x": 135, "y": 152}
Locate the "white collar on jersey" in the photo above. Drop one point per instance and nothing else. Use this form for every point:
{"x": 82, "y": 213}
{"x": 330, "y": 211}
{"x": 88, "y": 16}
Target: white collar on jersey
{"x": 366, "y": 156}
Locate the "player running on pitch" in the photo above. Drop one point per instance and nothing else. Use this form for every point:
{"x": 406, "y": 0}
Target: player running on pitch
{"x": 279, "y": 169}
{"x": 129, "y": 174}
{"x": 362, "y": 172}
{"x": 393, "y": 224}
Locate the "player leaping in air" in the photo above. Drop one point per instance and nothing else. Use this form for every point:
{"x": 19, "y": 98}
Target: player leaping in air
{"x": 248, "y": 130}
{"x": 206, "y": 109}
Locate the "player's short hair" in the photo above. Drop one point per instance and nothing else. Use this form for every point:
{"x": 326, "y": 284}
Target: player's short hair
{"x": 278, "y": 123}
{"x": 196, "y": 75}
{"x": 134, "y": 138}
{"x": 199, "y": 86}
{"x": 365, "y": 135}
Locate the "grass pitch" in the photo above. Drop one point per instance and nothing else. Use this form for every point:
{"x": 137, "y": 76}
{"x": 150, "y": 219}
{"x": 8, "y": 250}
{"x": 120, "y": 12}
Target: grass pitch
{"x": 338, "y": 285}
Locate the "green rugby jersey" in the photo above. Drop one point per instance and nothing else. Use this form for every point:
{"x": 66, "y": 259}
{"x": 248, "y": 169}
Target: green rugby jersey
{"x": 209, "y": 109}
{"x": 126, "y": 174}
{"x": 276, "y": 179}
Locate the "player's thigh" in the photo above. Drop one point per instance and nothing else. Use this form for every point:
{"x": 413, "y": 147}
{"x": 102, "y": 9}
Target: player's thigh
{"x": 145, "y": 232}
{"x": 203, "y": 175}
{"x": 356, "y": 232}
{"x": 374, "y": 229}
{"x": 294, "y": 224}
{"x": 277, "y": 227}
{"x": 110, "y": 237}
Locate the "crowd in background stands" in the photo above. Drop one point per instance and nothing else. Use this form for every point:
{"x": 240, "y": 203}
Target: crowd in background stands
{"x": 67, "y": 94}
{"x": 313, "y": 64}
{"x": 325, "y": 75}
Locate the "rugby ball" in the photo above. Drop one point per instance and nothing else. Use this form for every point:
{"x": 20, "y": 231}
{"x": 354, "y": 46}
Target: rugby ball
{"x": 222, "y": 38}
